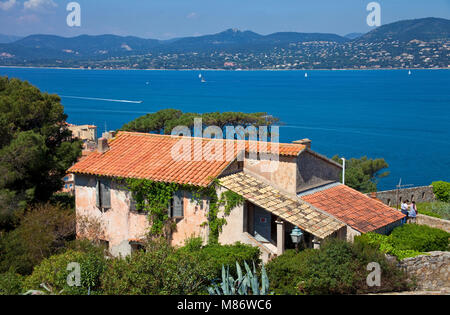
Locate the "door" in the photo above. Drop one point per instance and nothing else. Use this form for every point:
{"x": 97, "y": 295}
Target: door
{"x": 262, "y": 224}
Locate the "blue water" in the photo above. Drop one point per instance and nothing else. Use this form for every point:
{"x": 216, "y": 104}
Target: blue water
{"x": 404, "y": 119}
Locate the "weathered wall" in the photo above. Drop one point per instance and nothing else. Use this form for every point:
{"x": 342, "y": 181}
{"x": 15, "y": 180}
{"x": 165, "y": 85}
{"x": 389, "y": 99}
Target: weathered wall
{"x": 120, "y": 225}
{"x": 433, "y": 222}
{"x": 313, "y": 171}
{"x": 195, "y": 214}
{"x": 432, "y": 272}
{"x": 282, "y": 178}
{"x": 417, "y": 194}
{"x": 351, "y": 234}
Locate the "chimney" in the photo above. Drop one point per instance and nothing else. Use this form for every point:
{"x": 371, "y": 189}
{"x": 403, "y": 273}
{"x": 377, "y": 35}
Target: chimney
{"x": 102, "y": 146}
{"x": 373, "y": 195}
{"x": 306, "y": 142}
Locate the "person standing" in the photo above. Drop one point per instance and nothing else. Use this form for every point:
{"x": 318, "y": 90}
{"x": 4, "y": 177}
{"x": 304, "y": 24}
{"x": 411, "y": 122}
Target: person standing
{"x": 404, "y": 209}
{"x": 412, "y": 214}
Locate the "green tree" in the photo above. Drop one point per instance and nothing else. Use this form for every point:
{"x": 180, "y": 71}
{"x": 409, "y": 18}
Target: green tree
{"x": 43, "y": 231}
{"x": 165, "y": 120}
{"x": 36, "y": 147}
{"x": 363, "y": 174}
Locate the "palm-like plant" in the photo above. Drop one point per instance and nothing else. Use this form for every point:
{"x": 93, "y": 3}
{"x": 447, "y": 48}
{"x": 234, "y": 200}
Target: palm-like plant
{"x": 244, "y": 284}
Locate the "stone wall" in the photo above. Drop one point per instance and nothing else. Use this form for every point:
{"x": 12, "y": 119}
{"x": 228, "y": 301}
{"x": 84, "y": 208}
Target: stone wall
{"x": 431, "y": 272}
{"x": 417, "y": 194}
{"x": 433, "y": 222}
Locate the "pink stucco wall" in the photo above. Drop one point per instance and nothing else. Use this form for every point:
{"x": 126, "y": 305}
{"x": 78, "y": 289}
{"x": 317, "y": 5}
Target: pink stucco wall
{"x": 120, "y": 225}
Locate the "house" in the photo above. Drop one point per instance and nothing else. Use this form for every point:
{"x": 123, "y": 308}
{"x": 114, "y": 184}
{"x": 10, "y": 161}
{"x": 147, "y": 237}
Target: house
{"x": 303, "y": 191}
{"x": 87, "y": 133}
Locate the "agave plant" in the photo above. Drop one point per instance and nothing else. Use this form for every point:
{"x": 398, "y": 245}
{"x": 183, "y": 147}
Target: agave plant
{"x": 244, "y": 284}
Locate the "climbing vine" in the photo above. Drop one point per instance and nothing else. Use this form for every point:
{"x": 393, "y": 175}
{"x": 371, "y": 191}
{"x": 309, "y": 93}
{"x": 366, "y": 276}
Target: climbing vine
{"x": 154, "y": 197}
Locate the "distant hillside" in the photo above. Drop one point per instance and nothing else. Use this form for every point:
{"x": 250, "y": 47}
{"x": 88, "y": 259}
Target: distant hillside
{"x": 83, "y": 47}
{"x": 389, "y": 46}
{"x": 426, "y": 29}
{"x": 353, "y": 35}
{"x": 5, "y": 39}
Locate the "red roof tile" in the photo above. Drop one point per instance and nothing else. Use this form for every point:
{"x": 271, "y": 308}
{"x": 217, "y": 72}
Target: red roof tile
{"x": 354, "y": 208}
{"x": 142, "y": 155}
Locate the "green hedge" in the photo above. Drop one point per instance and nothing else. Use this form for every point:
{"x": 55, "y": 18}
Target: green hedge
{"x": 420, "y": 238}
{"x": 226, "y": 255}
{"x": 11, "y": 283}
{"x": 160, "y": 270}
{"x": 337, "y": 267}
{"x": 285, "y": 271}
{"x": 441, "y": 190}
{"x": 53, "y": 272}
{"x": 408, "y": 240}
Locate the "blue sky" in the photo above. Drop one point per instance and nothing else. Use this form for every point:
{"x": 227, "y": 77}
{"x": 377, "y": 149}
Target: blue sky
{"x": 165, "y": 19}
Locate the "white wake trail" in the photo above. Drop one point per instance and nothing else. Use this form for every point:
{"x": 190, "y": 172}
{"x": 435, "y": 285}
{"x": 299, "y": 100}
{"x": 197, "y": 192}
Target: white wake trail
{"x": 101, "y": 99}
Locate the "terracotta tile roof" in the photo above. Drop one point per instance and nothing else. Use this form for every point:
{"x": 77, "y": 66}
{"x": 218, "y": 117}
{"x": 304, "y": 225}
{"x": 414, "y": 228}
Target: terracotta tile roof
{"x": 354, "y": 208}
{"x": 288, "y": 208}
{"x": 142, "y": 155}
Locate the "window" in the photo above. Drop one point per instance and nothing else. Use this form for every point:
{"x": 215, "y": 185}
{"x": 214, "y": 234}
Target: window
{"x": 103, "y": 194}
{"x": 133, "y": 207}
{"x": 176, "y": 209}
{"x": 136, "y": 246}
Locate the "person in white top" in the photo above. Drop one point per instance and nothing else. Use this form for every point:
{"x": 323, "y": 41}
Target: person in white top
{"x": 404, "y": 209}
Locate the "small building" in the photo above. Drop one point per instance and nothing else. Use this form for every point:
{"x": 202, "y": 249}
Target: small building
{"x": 303, "y": 191}
{"x": 86, "y": 133}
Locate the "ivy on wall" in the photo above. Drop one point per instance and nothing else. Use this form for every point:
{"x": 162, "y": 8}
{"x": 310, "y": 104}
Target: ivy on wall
{"x": 154, "y": 197}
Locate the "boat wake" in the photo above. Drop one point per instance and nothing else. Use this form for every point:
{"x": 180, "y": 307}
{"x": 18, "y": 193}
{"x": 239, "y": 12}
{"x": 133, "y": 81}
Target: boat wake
{"x": 101, "y": 99}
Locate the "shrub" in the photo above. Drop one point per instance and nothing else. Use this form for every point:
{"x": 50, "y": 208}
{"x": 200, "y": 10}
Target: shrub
{"x": 420, "y": 238}
{"x": 226, "y": 255}
{"x": 42, "y": 232}
{"x": 11, "y": 283}
{"x": 285, "y": 271}
{"x": 337, "y": 267}
{"x": 384, "y": 244}
{"x": 160, "y": 270}
{"x": 64, "y": 200}
{"x": 441, "y": 190}
{"x": 53, "y": 272}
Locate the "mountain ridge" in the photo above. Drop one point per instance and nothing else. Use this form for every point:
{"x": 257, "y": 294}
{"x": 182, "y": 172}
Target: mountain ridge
{"x": 302, "y": 48}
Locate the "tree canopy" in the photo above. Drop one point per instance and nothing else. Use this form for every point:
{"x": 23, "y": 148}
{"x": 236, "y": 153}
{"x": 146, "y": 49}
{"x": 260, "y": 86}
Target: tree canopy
{"x": 36, "y": 147}
{"x": 165, "y": 120}
{"x": 363, "y": 174}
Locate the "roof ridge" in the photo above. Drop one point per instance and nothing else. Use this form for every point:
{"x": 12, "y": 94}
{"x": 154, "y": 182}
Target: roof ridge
{"x": 295, "y": 145}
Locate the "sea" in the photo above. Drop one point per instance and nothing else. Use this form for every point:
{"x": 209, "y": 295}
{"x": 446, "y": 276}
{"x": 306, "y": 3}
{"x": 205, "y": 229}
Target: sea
{"x": 391, "y": 114}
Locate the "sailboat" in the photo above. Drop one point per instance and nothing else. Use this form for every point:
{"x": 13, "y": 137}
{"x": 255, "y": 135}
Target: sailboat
{"x": 201, "y": 78}
{"x": 306, "y": 74}
{"x": 409, "y": 72}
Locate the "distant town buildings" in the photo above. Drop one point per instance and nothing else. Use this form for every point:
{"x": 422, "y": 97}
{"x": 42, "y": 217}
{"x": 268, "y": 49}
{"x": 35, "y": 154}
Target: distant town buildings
{"x": 87, "y": 134}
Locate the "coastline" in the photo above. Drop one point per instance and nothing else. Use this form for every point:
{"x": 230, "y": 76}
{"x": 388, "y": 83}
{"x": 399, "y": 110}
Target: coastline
{"x": 229, "y": 70}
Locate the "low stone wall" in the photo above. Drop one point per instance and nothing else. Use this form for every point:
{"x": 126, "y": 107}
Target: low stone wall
{"x": 433, "y": 222}
{"x": 431, "y": 272}
{"x": 417, "y": 194}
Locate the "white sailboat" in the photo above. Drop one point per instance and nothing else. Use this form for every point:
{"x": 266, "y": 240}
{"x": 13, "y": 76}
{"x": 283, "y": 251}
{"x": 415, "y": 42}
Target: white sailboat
{"x": 409, "y": 72}
{"x": 201, "y": 78}
{"x": 306, "y": 74}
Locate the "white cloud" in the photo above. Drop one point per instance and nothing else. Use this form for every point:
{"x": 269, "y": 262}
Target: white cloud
{"x": 6, "y": 5}
{"x": 38, "y": 4}
{"x": 191, "y": 15}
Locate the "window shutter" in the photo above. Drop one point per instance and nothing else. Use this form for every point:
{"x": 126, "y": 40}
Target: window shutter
{"x": 105, "y": 194}
{"x": 178, "y": 204}
{"x": 97, "y": 194}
